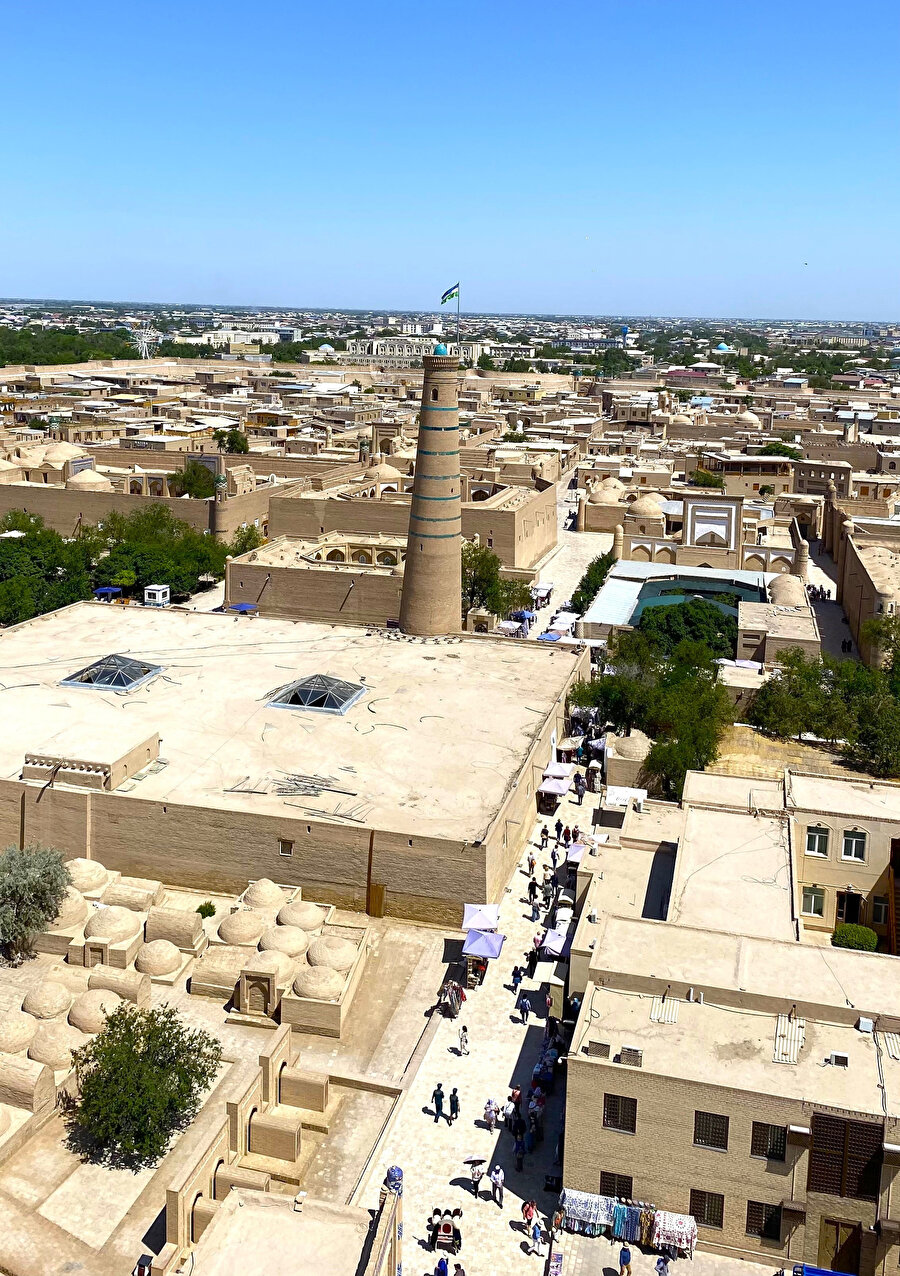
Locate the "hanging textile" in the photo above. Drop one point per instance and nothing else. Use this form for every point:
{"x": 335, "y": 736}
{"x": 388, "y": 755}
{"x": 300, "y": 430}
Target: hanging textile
{"x": 586, "y": 1213}
{"x": 632, "y": 1230}
{"x": 679, "y": 1230}
{"x": 647, "y": 1220}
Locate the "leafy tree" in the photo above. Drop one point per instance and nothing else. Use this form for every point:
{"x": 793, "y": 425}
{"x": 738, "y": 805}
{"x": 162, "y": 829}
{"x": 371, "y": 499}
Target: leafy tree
{"x": 231, "y": 441}
{"x": 852, "y": 935}
{"x": 207, "y": 908}
{"x": 486, "y": 363}
{"x": 483, "y": 586}
{"x": 194, "y": 480}
{"x": 62, "y": 345}
{"x": 703, "y": 478}
{"x": 515, "y": 436}
{"x": 592, "y": 581}
{"x": 33, "y": 884}
{"x": 696, "y": 621}
{"x": 781, "y": 449}
{"x": 245, "y": 539}
{"x": 139, "y": 1081}
{"x": 876, "y": 746}
{"x": 767, "y": 490}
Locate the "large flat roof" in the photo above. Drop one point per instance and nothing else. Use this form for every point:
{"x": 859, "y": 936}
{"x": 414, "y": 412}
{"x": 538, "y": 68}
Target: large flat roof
{"x": 863, "y": 799}
{"x": 432, "y": 747}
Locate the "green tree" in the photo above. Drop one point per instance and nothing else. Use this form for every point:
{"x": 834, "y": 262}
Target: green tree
{"x": 486, "y": 363}
{"x": 139, "y": 1081}
{"x": 592, "y": 581}
{"x": 876, "y": 746}
{"x": 767, "y": 490}
{"x": 194, "y": 480}
{"x": 781, "y": 449}
{"x": 231, "y": 441}
{"x": 696, "y": 621}
{"x": 703, "y": 478}
{"x": 33, "y": 883}
{"x": 483, "y": 586}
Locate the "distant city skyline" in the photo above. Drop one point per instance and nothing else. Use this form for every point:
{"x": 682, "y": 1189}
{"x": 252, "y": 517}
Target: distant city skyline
{"x": 650, "y": 159}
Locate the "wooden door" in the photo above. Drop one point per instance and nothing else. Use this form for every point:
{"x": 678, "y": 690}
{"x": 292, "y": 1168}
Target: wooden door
{"x": 839, "y": 1246}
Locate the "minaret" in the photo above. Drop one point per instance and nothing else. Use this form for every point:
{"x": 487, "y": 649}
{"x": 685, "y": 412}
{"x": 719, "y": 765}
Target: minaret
{"x": 431, "y": 602}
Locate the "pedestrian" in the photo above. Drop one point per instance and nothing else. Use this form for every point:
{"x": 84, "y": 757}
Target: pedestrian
{"x": 477, "y": 1176}
{"x": 497, "y": 1180}
{"x": 535, "y": 908}
{"x": 554, "y": 857}
{"x": 624, "y": 1261}
{"x": 437, "y": 1100}
{"x": 491, "y": 1111}
{"x": 579, "y": 789}
{"x": 538, "y": 940}
{"x": 443, "y": 1268}
{"x": 531, "y": 863}
{"x": 454, "y": 1105}
{"x": 457, "y": 1270}
{"x": 519, "y": 1153}
{"x": 537, "y": 1238}
{"x": 662, "y": 1265}
{"x": 532, "y": 963}
{"x": 528, "y": 1209}
{"x": 464, "y": 1040}
{"x": 546, "y": 893}
{"x": 545, "y": 837}
{"x": 559, "y": 828}
{"x": 567, "y": 837}
{"x": 524, "y": 1010}
{"x": 532, "y": 891}
{"x": 517, "y": 977}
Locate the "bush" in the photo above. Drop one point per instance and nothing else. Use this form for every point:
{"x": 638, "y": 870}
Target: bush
{"x": 207, "y": 908}
{"x": 852, "y": 935}
{"x": 703, "y": 478}
{"x": 33, "y": 884}
{"x": 592, "y": 582}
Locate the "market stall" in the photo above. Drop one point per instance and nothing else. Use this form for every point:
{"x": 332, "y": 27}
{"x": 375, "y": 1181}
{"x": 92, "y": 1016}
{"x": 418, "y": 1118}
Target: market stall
{"x": 481, "y": 946}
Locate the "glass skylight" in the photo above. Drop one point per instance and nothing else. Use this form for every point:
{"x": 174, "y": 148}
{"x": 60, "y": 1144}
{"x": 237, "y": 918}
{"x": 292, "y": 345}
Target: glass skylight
{"x": 116, "y": 673}
{"x": 319, "y": 692}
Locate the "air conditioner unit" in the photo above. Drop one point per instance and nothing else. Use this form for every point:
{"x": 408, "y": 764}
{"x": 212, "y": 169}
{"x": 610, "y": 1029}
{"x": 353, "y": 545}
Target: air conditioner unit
{"x": 838, "y": 1060}
{"x": 632, "y": 1057}
{"x": 598, "y": 1049}
{"x": 866, "y": 1025}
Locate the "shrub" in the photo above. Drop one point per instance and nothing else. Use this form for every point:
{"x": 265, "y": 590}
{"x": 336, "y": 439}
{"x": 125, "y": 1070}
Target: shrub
{"x": 33, "y": 884}
{"x": 851, "y": 935}
{"x": 207, "y": 908}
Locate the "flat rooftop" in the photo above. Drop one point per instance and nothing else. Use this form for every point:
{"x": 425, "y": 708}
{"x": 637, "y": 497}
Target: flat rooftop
{"x": 431, "y": 747}
{"x": 739, "y": 792}
{"x": 864, "y": 799}
{"x": 616, "y": 602}
{"x": 779, "y": 622}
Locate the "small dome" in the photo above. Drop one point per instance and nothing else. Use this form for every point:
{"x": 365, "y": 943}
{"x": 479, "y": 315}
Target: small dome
{"x": 47, "y": 1000}
{"x": 681, "y": 418}
{"x": 89, "y": 1009}
{"x": 53, "y": 1044}
{"x": 89, "y": 481}
{"x": 263, "y": 893}
{"x": 440, "y": 348}
{"x": 113, "y": 923}
{"x": 73, "y": 910}
{"x": 748, "y": 418}
{"x": 16, "y": 1031}
{"x": 722, "y": 346}
{"x": 306, "y": 916}
{"x": 383, "y": 472}
{"x": 634, "y": 747}
{"x": 605, "y": 496}
{"x": 645, "y": 507}
{"x": 87, "y": 875}
{"x": 612, "y": 482}
{"x": 243, "y": 927}
{"x": 63, "y": 452}
{"x": 285, "y": 939}
{"x": 159, "y": 957}
{"x": 272, "y": 962}
{"x": 318, "y": 981}
{"x": 788, "y": 591}
{"x": 332, "y": 951}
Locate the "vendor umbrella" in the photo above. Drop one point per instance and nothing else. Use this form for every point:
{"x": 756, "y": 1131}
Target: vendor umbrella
{"x": 481, "y": 916}
{"x": 474, "y": 1160}
{"x": 482, "y": 943}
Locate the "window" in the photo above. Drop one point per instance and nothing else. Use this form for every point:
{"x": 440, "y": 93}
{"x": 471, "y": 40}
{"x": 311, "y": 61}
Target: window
{"x": 764, "y": 1220}
{"x": 813, "y": 901}
{"x": 880, "y": 910}
{"x": 616, "y": 1185}
{"x": 708, "y": 1208}
{"x": 619, "y": 1113}
{"x": 845, "y": 1157}
{"x": 711, "y": 1130}
{"x": 769, "y": 1141}
{"x": 854, "y": 847}
{"x": 817, "y": 840}
{"x": 285, "y": 847}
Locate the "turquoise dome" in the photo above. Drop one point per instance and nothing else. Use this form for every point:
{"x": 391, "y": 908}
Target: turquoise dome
{"x": 440, "y": 348}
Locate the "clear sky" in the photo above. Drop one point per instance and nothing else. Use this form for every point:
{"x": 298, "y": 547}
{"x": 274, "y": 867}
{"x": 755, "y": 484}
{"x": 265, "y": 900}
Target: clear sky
{"x": 643, "y": 157}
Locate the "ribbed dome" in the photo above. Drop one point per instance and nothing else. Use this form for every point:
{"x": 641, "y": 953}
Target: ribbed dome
{"x": 89, "y": 1009}
{"x": 73, "y": 910}
{"x": 306, "y": 916}
{"x": 159, "y": 957}
{"x": 49, "y": 999}
{"x": 272, "y": 962}
{"x": 318, "y": 981}
{"x": 634, "y": 747}
{"x": 16, "y": 1031}
{"x": 332, "y": 951}
{"x": 285, "y": 939}
{"x": 87, "y": 875}
{"x": 53, "y": 1044}
{"x": 89, "y": 481}
{"x": 263, "y": 893}
{"x": 244, "y": 927}
{"x": 113, "y": 923}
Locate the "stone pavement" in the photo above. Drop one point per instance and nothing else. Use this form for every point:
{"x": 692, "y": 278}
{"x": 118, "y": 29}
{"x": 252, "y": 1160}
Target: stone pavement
{"x": 565, "y": 568}
{"x": 596, "y": 1256}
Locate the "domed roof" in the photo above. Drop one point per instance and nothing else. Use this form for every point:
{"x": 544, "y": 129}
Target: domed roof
{"x": 32, "y": 455}
{"x": 383, "y": 472}
{"x": 681, "y": 418}
{"x": 748, "y": 418}
{"x": 53, "y": 1044}
{"x": 722, "y": 346}
{"x": 285, "y": 939}
{"x": 305, "y": 915}
{"x": 89, "y": 1009}
{"x": 63, "y": 452}
{"x": 646, "y": 507}
{"x": 159, "y": 957}
{"x": 634, "y": 747}
{"x": 272, "y": 962}
{"x": 113, "y": 923}
{"x": 332, "y": 951}
{"x": 9, "y": 465}
{"x": 47, "y": 1000}
{"x": 73, "y": 910}
{"x": 612, "y": 482}
{"x": 16, "y": 1031}
{"x": 243, "y": 927}
{"x": 87, "y": 875}
{"x": 263, "y": 893}
{"x": 788, "y": 591}
{"x": 320, "y": 982}
{"x": 605, "y": 496}
{"x": 89, "y": 481}
{"x": 440, "y": 348}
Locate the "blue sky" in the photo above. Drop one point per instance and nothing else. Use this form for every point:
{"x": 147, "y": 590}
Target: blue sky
{"x": 652, "y": 157}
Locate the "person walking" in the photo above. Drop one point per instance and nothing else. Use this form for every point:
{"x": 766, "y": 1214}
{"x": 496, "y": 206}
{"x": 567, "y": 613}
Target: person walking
{"x": 559, "y": 828}
{"x": 517, "y": 977}
{"x": 567, "y": 837}
{"x": 519, "y": 1154}
{"x": 524, "y": 1010}
{"x": 535, "y": 906}
{"x": 624, "y": 1261}
{"x": 464, "y": 1040}
{"x": 528, "y": 1209}
{"x": 477, "y": 1176}
{"x": 437, "y": 1100}
{"x": 454, "y": 1106}
{"x": 554, "y": 857}
{"x": 458, "y": 1270}
{"x": 490, "y": 1115}
{"x": 545, "y": 837}
{"x": 537, "y": 1238}
{"x": 531, "y": 863}
{"x": 532, "y": 891}
{"x": 443, "y": 1267}
{"x": 662, "y": 1265}
{"x": 498, "y": 1178}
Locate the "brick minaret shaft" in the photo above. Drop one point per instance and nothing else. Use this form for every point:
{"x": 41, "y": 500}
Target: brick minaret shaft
{"x": 430, "y": 603}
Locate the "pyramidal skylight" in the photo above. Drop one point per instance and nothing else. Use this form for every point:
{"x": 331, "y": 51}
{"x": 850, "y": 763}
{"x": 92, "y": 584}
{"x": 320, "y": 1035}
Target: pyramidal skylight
{"x": 320, "y": 692}
{"x": 116, "y": 673}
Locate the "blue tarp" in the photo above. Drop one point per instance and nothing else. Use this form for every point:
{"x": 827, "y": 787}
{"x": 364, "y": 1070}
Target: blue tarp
{"x": 483, "y": 943}
{"x": 551, "y": 637}
{"x": 107, "y": 591}
{"x": 243, "y": 607}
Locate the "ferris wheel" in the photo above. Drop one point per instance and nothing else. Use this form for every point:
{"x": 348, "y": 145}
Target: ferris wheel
{"x": 145, "y": 339}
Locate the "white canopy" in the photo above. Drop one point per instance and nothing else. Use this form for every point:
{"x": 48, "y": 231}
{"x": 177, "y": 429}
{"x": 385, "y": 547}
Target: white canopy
{"x": 481, "y": 916}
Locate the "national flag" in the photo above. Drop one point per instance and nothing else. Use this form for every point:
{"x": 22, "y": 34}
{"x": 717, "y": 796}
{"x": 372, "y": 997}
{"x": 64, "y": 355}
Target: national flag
{"x": 450, "y": 294}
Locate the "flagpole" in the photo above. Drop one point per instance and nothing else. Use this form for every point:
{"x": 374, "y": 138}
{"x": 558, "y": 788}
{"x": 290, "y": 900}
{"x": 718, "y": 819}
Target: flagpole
{"x": 458, "y": 346}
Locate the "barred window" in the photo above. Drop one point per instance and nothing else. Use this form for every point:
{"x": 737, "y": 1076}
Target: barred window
{"x": 711, "y": 1130}
{"x": 619, "y": 1113}
{"x": 764, "y": 1220}
{"x": 769, "y": 1141}
{"x": 708, "y": 1208}
{"x": 845, "y": 1157}
{"x": 616, "y": 1184}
